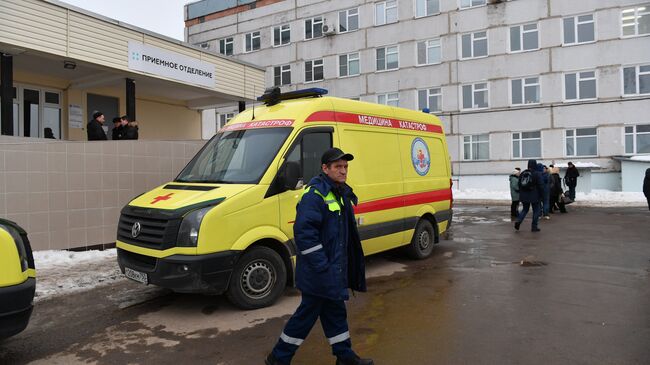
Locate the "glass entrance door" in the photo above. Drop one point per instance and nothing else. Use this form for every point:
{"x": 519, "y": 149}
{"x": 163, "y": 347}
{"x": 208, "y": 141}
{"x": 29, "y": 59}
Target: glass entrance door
{"x": 31, "y": 113}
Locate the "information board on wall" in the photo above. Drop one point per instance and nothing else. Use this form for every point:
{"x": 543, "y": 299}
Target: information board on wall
{"x": 75, "y": 116}
{"x": 160, "y": 62}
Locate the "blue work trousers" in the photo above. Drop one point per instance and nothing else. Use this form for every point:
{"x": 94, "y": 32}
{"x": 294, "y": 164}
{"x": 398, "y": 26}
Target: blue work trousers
{"x": 333, "y": 318}
{"x": 524, "y": 212}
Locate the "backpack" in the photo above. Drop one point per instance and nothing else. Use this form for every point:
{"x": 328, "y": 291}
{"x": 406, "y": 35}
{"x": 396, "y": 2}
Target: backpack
{"x": 526, "y": 180}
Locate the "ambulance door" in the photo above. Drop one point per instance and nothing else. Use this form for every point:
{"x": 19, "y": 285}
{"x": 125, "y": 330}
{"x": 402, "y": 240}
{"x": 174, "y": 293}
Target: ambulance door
{"x": 305, "y": 154}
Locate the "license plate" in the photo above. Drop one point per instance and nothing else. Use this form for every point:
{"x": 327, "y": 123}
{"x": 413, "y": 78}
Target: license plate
{"x": 138, "y": 276}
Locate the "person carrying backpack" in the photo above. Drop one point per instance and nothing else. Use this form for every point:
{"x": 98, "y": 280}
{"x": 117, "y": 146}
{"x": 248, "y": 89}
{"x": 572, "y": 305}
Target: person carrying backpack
{"x": 531, "y": 192}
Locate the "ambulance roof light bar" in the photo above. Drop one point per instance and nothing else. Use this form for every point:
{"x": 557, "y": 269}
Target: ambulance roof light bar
{"x": 273, "y": 95}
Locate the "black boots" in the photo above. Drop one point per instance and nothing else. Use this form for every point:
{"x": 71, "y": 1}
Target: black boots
{"x": 270, "y": 360}
{"x": 356, "y": 360}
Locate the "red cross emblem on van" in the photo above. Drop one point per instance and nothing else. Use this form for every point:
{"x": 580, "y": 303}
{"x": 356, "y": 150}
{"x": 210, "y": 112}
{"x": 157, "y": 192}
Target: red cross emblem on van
{"x": 162, "y": 197}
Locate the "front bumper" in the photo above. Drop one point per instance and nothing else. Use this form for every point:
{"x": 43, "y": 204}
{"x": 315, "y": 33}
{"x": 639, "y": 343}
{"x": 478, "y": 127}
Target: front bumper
{"x": 16, "y": 304}
{"x": 208, "y": 273}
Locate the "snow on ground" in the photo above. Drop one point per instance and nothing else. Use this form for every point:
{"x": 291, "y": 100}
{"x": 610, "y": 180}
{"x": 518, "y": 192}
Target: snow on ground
{"x": 61, "y": 272}
{"x": 602, "y": 198}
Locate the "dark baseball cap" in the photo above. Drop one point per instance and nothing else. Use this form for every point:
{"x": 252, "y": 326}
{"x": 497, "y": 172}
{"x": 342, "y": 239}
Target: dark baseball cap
{"x": 334, "y": 154}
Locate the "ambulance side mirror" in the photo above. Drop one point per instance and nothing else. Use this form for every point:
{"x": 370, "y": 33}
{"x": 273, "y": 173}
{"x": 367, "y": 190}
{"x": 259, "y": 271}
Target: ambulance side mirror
{"x": 292, "y": 176}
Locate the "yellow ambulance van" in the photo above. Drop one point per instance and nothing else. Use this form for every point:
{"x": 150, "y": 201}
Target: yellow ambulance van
{"x": 17, "y": 279}
{"x": 225, "y": 224}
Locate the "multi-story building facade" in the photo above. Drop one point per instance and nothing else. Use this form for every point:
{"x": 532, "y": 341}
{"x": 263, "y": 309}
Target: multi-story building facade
{"x": 553, "y": 80}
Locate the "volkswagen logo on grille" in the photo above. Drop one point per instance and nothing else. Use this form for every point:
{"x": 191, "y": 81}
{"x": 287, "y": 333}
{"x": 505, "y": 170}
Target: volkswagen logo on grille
{"x": 135, "y": 230}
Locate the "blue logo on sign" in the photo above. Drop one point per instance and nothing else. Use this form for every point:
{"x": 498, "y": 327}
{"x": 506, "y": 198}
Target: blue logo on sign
{"x": 420, "y": 156}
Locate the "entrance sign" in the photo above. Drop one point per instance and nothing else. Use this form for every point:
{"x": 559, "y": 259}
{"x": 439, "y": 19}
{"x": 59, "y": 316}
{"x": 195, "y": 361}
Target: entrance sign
{"x": 75, "y": 116}
{"x": 157, "y": 61}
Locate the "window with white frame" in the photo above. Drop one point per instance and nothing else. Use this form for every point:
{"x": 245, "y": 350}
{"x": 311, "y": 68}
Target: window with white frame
{"x": 579, "y": 29}
{"x": 635, "y": 21}
{"x": 281, "y": 35}
{"x": 637, "y": 139}
{"x": 580, "y": 85}
{"x": 636, "y": 80}
{"x": 282, "y": 75}
{"x": 314, "y": 70}
{"x": 252, "y": 42}
{"x": 386, "y": 12}
{"x": 391, "y": 99}
{"x": 476, "y": 147}
{"x": 426, "y": 7}
{"x": 223, "y": 119}
{"x": 581, "y": 142}
{"x": 475, "y": 96}
{"x": 524, "y": 37}
{"x": 474, "y": 45}
{"x": 348, "y": 20}
{"x": 429, "y": 52}
{"x": 387, "y": 58}
{"x": 226, "y": 46}
{"x": 430, "y": 99}
{"x": 466, "y": 4}
{"x": 524, "y": 91}
{"x": 349, "y": 64}
{"x": 314, "y": 27}
{"x": 527, "y": 144}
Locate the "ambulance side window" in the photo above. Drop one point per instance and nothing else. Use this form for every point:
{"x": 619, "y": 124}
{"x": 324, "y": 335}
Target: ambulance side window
{"x": 313, "y": 146}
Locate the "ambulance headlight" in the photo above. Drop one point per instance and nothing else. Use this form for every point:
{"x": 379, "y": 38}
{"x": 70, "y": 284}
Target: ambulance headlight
{"x": 20, "y": 245}
{"x": 188, "y": 234}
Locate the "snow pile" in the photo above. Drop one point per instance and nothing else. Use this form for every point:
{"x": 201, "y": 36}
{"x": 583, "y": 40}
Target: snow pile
{"x": 60, "y": 272}
{"x": 641, "y": 158}
{"x": 604, "y": 198}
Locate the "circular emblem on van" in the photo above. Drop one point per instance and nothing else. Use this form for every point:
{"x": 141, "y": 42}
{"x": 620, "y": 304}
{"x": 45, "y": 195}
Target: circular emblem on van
{"x": 420, "y": 156}
{"x": 135, "y": 230}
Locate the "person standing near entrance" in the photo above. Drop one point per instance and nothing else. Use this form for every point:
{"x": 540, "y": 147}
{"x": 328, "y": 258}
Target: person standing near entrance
{"x": 514, "y": 192}
{"x": 531, "y": 192}
{"x": 646, "y": 186}
{"x": 571, "y": 179}
{"x": 118, "y": 129}
{"x": 329, "y": 261}
{"x": 94, "y": 128}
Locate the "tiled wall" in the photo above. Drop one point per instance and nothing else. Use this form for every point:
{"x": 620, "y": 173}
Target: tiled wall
{"x": 69, "y": 194}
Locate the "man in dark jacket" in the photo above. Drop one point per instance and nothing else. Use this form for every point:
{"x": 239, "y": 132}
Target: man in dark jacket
{"x": 646, "y": 186}
{"x": 531, "y": 192}
{"x": 329, "y": 261}
{"x": 94, "y": 128}
{"x": 571, "y": 179}
{"x": 118, "y": 129}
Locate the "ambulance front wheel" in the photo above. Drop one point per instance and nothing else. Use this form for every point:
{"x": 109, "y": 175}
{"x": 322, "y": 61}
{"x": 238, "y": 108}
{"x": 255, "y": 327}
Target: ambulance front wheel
{"x": 422, "y": 242}
{"x": 258, "y": 280}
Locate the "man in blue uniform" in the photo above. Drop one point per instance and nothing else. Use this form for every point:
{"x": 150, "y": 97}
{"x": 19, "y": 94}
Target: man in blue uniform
{"x": 330, "y": 260}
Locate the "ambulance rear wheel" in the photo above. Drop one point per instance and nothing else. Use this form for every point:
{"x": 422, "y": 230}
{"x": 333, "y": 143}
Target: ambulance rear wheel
{"x": 258, "y": 279}
{"x": 422, "y": 242}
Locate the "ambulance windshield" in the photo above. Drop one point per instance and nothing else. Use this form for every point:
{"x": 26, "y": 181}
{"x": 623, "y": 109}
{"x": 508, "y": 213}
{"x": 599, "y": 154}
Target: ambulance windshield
{"x": 235, "y": 157}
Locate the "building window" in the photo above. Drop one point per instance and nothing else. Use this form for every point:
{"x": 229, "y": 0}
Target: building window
{"x": 637, "y": 139}
{"x": 282, "y": 75}
{"x": 281, "y": 35}
{"x": 580, "y": 86}
{"x": 466, "y": 4}
{"x": 475, "y": 96}
{"x": 474, "y": 45}
{"x": 429, "y": 52}
{"x": 476, "y": 147}
{"x": 314, "y": 70}
{"x": 386, "y": 12}
{"x": 636, "y": 21}
{"x": 431, "y": 99}
{"x": 579, "y": 29}
{"x": 314, "y": 27}
{"x": 349, "y": 64}
{"x": 527, "y": 145}
{"x": 226, "y": 46}
{"x": 387, "y": 58}
{"x": 426, "y": 7}
{"x": 391, "y": 99}
{"x": 348, "y": 20}
{"x": 253, "y": 41}
{"x": 581, "y": 142}
{"x": 636, "y": 80}
{"x": 223, "y": 119}
{"x": 524, "y": 37}
{"x": 525, "y": 91}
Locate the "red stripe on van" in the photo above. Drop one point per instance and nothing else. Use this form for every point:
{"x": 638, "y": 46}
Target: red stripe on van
{"x": 404, "y": 201}
{"x": 342, "y": 117}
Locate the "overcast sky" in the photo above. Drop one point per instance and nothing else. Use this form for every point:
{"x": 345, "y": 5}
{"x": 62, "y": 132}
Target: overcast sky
{"x": 160, "y": 16}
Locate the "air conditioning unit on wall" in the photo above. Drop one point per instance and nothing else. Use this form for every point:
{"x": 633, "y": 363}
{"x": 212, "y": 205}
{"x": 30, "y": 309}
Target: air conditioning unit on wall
{"x": 329, "y": 28}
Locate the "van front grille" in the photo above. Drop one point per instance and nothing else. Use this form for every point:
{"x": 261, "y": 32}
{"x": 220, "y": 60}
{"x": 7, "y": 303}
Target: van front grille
{"x": 156, "y": 231}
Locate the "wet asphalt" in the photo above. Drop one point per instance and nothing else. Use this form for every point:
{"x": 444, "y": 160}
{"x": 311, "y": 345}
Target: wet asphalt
{"x": 578, "y": 292}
